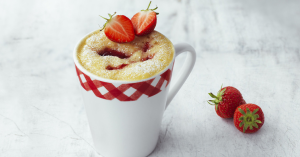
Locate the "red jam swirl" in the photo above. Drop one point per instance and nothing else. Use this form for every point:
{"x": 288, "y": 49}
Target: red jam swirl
{"x": 146, "y": 47}
{"x": 117, "y": 67}
{"x": 111, "y": 52}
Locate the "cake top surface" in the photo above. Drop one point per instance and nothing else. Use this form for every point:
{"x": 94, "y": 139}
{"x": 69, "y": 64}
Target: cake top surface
{"x": 142, "y": 58}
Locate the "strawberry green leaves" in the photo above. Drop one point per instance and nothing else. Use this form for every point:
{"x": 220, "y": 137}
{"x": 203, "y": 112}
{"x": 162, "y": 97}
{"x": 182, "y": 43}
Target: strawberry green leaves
{"x": 217, "y": 99}
{"x": 249, "y": 119}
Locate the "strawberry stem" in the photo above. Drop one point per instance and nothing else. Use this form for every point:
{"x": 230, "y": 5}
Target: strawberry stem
{"x": 151, "y": 9}
{"x": 103, "y": 17}
{"x": 111, "y": 15}
{"x": 217, "y": 99}
{"x": 107, "y": 20}
{"x": 148, "y": 6}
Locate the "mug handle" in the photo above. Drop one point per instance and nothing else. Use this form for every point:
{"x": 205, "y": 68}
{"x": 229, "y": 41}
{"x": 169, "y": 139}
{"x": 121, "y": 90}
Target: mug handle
{"x": 185, "y": 70}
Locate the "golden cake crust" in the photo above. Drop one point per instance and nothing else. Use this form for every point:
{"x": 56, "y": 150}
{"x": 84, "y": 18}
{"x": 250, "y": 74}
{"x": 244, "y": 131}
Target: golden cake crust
{"x": 142, "y": 58}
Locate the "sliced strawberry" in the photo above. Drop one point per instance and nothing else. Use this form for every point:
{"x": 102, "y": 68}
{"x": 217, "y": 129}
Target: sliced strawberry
{"x": 119, "y": 29}
{"x": 144, "y": 21}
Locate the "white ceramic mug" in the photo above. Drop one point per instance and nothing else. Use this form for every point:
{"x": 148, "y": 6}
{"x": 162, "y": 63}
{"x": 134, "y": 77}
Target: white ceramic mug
{"x": 125, "y": 116}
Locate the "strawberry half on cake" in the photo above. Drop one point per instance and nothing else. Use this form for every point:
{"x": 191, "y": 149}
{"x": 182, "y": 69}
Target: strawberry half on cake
{"x": 144, "y": 21}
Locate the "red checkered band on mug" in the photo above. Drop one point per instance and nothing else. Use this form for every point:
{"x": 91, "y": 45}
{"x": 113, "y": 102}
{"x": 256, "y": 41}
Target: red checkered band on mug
{"x": 125, "y": 92}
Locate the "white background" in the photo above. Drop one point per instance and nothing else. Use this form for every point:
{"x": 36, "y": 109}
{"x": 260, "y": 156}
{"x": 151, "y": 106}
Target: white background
{"x": 252, "y": 45}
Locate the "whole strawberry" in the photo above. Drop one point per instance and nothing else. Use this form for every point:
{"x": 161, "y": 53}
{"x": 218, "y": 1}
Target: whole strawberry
{"x": 226, "y": 101}
{"x": 118, "y": 28}
{"x": 144, "y": 21}
{"x": 248, "y": 118}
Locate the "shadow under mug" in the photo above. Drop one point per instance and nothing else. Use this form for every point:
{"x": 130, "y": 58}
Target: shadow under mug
{"x": 125, "y": 116}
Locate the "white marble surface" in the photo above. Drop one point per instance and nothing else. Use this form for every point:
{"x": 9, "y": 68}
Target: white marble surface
{"x": 252, "y": 45}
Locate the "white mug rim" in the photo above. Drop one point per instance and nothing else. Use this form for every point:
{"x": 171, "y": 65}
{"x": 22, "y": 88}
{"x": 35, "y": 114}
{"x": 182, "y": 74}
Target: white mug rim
{"x": 81, "y": 68}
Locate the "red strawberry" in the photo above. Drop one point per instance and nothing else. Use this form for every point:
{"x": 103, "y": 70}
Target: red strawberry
{"x": 226, "y": 101}
{"x": 144, "y": 21}
{"x": 248, "y": 118}
{"x": 243, "y": 102}
{"x": 118, "y": 29}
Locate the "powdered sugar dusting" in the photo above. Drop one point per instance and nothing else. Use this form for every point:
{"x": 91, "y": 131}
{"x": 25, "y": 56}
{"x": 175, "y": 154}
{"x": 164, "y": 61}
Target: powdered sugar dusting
{"x": 157, "y": 57}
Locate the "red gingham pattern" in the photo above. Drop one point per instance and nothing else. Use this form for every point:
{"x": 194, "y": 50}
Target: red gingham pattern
{"x": 118, "y": 92}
